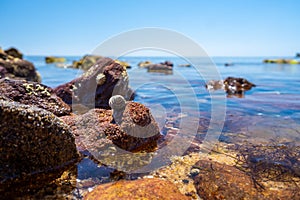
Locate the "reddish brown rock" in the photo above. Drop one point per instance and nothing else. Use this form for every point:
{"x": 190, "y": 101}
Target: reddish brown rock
{"x": 94, "y": 88}
{"x": 18, "y": 69}
{"x": 88, "y": 128}
{"x": 107, "y": 143}
{"x": 140, "y": 126}
{"x": 138, "y": 189}
{"x": 94, "y": 128}
{"x": 32, "y": 93}
{"x": 35, "y": 147}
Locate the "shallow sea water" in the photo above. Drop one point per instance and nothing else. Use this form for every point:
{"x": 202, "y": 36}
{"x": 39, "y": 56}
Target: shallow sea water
{"x": 268, "y": 113}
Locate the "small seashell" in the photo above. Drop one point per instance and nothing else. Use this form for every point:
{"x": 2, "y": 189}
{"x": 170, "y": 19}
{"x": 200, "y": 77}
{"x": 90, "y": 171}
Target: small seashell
{"x": 117, "y": 102}
{"x": 100, "y": 79}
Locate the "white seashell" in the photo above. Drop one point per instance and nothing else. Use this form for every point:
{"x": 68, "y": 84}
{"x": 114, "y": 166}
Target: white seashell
{"x": 117, "y": 102}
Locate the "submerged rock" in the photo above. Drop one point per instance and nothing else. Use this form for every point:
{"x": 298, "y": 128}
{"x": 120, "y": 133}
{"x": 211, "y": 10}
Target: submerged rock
{"x": 94, "y": 88}
{"x": 138, "y": 189}
{"x": 14, "y": 53}
{"x": 52, "y": 59}
{"x": 36, "y": 147}
{"x": 35, "y": 94}
{"x": 17, "y": 68}
{"x": 86, "y": 62}
{"x": 220, "y": 181}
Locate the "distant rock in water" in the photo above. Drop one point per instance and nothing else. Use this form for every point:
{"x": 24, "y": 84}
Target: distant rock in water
{"x": 52, "y": 59}
{"x": 228, "y": 64}
{"x": 298, "y": 55}
{"x": 164, "y": 67}
{"x": 232, "y": 86}
{"x": 86, "y": 62}
{"x": 16, "y": 68}
{"x": 144, "y": 63}
{"x": 36, "y": 147}
{"x": 34, "y": 94}
{"x": 95, "y": 87}
{"x": 14, "y": 53}
{"x": 237, "y": 85}
{"x": 282, "y": 61}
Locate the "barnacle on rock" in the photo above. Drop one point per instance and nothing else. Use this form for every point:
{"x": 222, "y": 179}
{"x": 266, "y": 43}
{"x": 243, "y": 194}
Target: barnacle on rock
{"x": 100, "y": 79}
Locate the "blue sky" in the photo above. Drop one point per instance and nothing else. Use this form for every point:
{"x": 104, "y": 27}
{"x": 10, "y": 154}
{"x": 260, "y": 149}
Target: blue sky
{"x": 221, "y": 27}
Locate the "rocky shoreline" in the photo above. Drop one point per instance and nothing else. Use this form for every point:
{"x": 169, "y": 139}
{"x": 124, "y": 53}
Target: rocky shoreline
{"x": 45, "y": 132}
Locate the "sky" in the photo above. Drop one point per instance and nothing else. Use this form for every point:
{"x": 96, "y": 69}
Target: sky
{"x": 220, "y": 27}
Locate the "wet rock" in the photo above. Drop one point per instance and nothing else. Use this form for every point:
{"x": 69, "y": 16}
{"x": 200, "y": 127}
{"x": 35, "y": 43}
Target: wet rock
{"x": 123, "y": 63}
{"x": 107, "y": 143}
{"x": 185, "y": 65}
{"x": 214, "y": 85}
{"x": 164, "y": 67}
{"x": 36, "y": 147}
{"x": 138, "y": 189}
{"x": 137, "y": 131}
{"x": 231, "y": 85}
{"x": 282, "y": 61}
{"x": 87, "y": 127}
{"x": 219, "y": 181}
{"x": 237, "y": 85}
{"x": 139, "y": 124}
{"x": 144, "y": 63}
{"x": 35, "y": 94}
{"x": 17, "y": 68}
{"x": 86, "y": 62}
{"x": 14, "y": 53}
{"x": 228, "y": 64}
{"x": 52, "y": 59}
{"x": 94, "y": 88}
